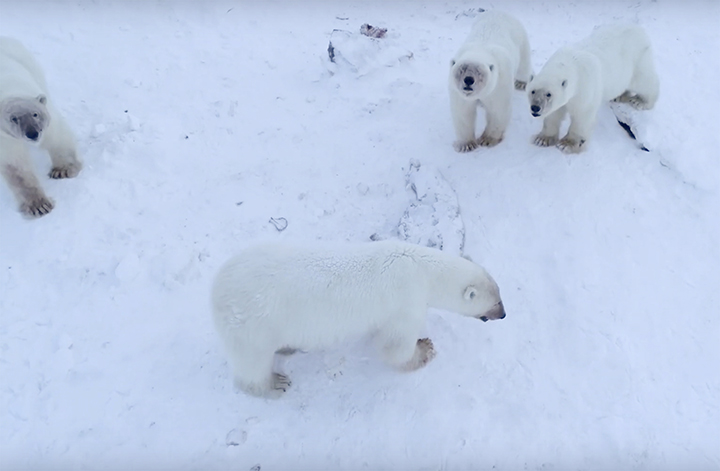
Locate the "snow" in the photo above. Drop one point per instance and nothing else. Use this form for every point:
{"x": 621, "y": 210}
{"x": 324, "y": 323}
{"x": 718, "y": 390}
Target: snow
{"x": 199, "y": 122}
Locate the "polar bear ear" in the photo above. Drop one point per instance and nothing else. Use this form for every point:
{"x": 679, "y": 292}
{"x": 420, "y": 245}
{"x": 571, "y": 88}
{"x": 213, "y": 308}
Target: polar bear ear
{"x": 564, "y": 83}
{"x": 42, "y": 99}
{"x": 470, "y": 293}
{"x": 491, "y": 67}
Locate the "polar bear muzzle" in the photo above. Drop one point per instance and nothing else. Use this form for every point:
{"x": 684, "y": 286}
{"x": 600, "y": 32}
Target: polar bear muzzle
{"x": 24, "y": 118}
{"x": 470, "y": 78}
{"x": 497, "y": 312}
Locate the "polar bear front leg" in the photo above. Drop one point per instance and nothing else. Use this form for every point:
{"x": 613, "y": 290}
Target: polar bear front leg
{"x": 579, "y": 132}
{"x": 18, "y": 173}
{"x": 498, "y": 108}
{"x": 551, "y": 129}
{"x": 60, "y": 144}
{"x": 464, "y": 115}
{"x": 408, "y": 354}
{"x": 399, "y": 344}
{"x": 253, "y": 372}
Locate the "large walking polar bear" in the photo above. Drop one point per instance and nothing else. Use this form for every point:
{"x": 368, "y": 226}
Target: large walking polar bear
{"x": 277, "y": 296}
{"x": 614, "y": 63}
{"x": 494, "y": 59}
{"x": 27, "y": 116}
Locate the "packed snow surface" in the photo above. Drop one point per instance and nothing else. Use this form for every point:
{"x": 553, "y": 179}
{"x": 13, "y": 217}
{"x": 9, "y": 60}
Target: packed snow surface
{"x": 198, "y": 122}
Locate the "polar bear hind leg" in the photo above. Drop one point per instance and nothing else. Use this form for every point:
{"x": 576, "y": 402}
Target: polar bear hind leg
{"x": 60, "y": 144}
{"x": 17, "y": 169}
{"x": 642, "y": 94}
{"x": 524, "y": 71}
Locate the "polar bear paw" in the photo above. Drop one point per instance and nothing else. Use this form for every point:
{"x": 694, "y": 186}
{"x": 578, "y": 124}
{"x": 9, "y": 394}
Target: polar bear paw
{"x": 37, "y": 207}
{"x": 468, "y": 146}
{"x": 541, "y": 140}
{"x": 489, "y": 141}
{"x": 636, "y": 101}
{"x": 520, "y": 85}
{"x": 280, "y": 383}
{"x": 66, "y": 171}
{"x": 272, "y": 388}
{"x": 424, "y": 353}
{"x": 571, "y": 145}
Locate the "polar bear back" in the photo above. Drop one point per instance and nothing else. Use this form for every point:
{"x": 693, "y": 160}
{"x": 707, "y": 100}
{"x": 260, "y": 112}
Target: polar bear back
{"x": 618, "y": 49}
{"x": 496, "y": 28}
{"x": 316, "y": 295}
{"x": 310, "y": 296}
{"x": 20, "y": 74}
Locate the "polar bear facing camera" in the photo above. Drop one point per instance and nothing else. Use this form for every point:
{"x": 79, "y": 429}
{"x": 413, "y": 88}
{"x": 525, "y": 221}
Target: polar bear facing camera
{"x": 274, "y": 297}
{"x": 614, "y": 63}
{"x": 494, "y": 59}
{"x": 27, "y": 116}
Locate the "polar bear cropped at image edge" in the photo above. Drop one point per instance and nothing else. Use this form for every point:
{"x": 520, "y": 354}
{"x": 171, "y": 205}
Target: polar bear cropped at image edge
{"x": 27, "y": 116}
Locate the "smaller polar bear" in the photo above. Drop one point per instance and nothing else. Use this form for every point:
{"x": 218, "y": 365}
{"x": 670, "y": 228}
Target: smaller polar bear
{"x": 274, "y": 298}
{"x": 493, "y": 59}
{"x": 27, "y": 115}
{"x": 614, "y": 63}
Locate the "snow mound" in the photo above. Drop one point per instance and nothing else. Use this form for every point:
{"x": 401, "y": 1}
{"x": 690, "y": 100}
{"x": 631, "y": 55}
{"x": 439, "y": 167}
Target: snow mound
{"x": 433, "y": 216}
{"x": 359, "y": 54}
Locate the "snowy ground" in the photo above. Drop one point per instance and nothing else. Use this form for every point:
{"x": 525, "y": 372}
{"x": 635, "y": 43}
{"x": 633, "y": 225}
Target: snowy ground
{"x": 198, "y": 122}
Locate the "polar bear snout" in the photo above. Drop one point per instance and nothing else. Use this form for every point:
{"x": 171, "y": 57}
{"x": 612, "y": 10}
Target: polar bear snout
{"x": 32, "y": 134}
{"x": 469, "y": 78}
{"x": 497, "y": 312}
{"x": 23, "y": 118}
{"x": 535, "y": 110}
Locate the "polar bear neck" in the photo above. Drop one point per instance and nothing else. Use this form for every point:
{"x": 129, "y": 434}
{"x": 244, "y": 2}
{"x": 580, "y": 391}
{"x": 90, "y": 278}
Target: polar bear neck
{"x": 445, "y": 276}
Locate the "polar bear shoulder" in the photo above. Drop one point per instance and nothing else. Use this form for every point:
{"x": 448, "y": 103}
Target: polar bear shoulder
{"x": 20, "y": 73}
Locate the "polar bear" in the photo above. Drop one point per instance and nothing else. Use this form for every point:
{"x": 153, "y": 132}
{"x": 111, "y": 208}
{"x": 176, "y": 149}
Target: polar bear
{"x": 493, "y": 59}
{"x": 276, "y": 297}
{"x": 27, "y": 116}
{"x": 614, "y": 63}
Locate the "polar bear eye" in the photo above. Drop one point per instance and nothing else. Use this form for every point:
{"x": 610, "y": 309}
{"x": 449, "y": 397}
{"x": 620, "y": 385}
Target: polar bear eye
{"x": 532, "y": 92}
{"x": 34, "y": 115}
{"x": 549, "y": 95}
{"x": 14, "y": 119}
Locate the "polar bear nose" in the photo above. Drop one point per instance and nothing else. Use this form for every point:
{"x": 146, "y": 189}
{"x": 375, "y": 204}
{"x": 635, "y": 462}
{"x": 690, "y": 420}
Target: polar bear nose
{"x": 535, "y": 108}
{"x": 469, "y": 81}
{"x": 31, "y": 134}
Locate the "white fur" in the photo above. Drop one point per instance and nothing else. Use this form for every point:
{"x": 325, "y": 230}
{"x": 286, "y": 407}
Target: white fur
{"x": 496, "y": 55}
{"x": 23, "y": 90}
{"x": 614, "y": 63}
{"x": 279, "y": 296}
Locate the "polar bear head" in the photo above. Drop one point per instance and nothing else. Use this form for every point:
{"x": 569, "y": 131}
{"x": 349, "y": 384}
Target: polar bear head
{"x": 473, "y": 75}
{"x": 24, "y": 118}
{"x": 551, "y": 89}
{"x": 546, "y": 98}
{"x": 471, "y": 291}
